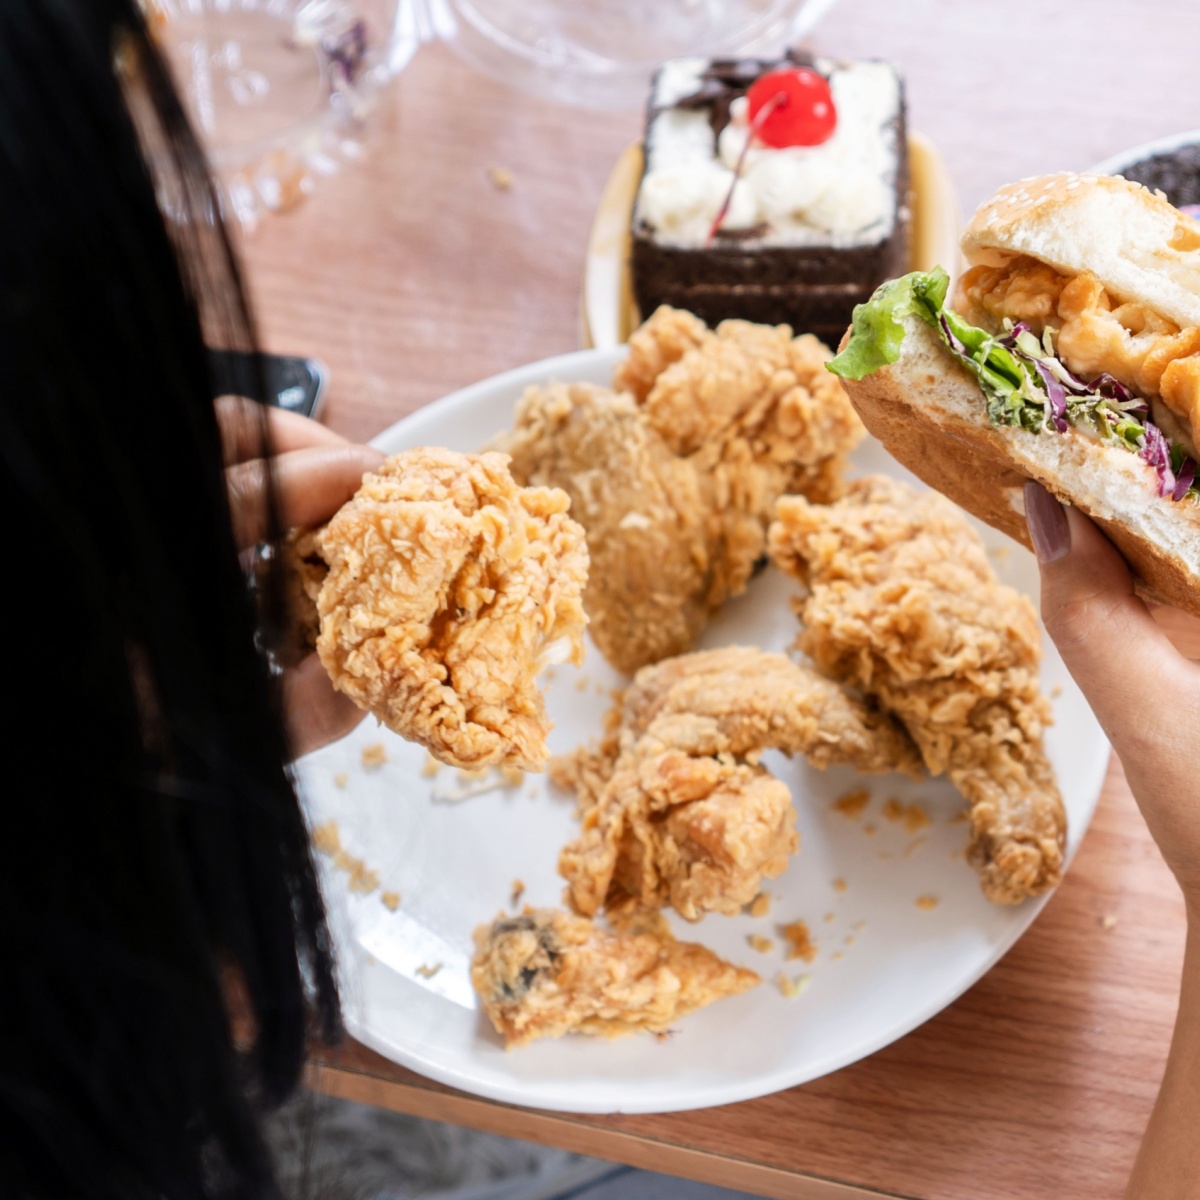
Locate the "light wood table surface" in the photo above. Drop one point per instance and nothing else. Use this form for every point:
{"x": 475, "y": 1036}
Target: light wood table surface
{"x": 411, "y": 274}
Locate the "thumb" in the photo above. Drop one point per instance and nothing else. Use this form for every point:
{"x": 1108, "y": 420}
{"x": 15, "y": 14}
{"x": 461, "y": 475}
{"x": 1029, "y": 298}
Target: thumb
{"x": 1123, "y": 662}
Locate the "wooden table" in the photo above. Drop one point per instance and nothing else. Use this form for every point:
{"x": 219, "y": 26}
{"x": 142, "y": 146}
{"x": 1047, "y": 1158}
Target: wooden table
{"x": 411, "y": 274}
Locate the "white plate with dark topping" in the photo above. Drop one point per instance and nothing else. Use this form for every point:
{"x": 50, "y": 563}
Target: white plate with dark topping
{"x": 900, "y": 924}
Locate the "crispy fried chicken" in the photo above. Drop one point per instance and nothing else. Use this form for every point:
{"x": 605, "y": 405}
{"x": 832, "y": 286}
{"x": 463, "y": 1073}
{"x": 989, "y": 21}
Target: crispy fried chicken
{"x": 902, "y": 603}
{"x": 676, "y": 809}
{"x": 674, "y": 473}
{"x": 545, "y": 973}
{"x": 449, "y": 589}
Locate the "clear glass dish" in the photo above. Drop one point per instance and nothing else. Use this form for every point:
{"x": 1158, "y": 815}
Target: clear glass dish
{"x": 601, "y": 53}
{"x": 282, "y": 90}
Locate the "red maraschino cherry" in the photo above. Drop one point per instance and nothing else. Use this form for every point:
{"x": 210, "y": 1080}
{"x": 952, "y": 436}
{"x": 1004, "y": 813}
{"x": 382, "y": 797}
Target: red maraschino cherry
{"x": 802, "y": 111}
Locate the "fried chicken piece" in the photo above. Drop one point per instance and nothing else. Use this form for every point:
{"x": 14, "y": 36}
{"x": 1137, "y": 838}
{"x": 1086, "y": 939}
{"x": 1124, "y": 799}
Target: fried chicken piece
{"x": 644, "y": 510}
{"x": 449, "y": 589}
{"x": 902, "y": 603}
{"x": 545, "y": 973}
{"x": 676, "y": 481}
{"x": 654, "y": 346}
{"x": 754, "y": 700}
{"x": 304, "y": 572}
{"x": 676, "y": 809}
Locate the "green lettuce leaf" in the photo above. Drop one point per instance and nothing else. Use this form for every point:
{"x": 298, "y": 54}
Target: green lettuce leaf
{"x": 1015, "y": 396}
{"x": 877, "y": 332}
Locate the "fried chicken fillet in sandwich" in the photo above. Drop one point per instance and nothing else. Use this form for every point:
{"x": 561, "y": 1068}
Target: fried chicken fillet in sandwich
{"x": 1069, "y": 354}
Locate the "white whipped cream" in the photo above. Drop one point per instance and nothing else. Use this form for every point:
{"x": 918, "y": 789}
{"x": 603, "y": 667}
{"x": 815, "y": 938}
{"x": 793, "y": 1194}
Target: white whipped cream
{"x": 838, "y": 193}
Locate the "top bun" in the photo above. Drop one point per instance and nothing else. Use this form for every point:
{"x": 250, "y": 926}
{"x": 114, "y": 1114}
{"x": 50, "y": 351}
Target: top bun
{"x": 1139, "y": 246}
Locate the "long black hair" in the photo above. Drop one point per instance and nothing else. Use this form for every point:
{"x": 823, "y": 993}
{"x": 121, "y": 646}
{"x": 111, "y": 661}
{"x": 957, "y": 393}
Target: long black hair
{"x": 156, "y": 876}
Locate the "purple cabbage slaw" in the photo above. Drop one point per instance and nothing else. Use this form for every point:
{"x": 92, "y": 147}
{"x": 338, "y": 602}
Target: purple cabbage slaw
{"x": 1176, "y": 471}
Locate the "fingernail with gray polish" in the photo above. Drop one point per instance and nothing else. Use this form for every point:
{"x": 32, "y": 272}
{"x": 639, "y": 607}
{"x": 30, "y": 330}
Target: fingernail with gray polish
{"x": 1047, "y": 521}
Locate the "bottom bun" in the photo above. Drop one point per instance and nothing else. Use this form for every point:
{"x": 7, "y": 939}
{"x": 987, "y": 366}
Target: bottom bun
{"x": 929, "y": 412}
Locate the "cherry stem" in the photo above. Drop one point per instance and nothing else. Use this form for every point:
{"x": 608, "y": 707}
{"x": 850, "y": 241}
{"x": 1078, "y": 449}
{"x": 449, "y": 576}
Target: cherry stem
{"x": 760, "y": 119}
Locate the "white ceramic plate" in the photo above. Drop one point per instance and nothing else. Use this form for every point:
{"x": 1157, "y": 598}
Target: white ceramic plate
{"x": 884, "y": 965}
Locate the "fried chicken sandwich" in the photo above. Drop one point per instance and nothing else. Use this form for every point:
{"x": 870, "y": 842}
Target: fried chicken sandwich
{"x": 1070, "y": 354}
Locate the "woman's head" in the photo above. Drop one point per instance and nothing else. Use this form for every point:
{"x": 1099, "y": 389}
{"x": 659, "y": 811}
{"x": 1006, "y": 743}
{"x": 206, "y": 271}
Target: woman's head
{"x": 154, "y": 843}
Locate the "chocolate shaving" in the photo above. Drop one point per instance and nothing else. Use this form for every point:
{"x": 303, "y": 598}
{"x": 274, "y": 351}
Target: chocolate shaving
{"x": 737, "y": 73}
{"x": 801, "y": 57}
{"x": 720, "y": 113}
{"x": 742, "y": 235}
{"x": 708, "y": 91}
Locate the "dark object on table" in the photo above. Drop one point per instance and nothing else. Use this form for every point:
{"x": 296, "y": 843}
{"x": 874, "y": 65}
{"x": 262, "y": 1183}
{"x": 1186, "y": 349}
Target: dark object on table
{"x": 1174, "y": 172}
{"x": 297, "y": 384}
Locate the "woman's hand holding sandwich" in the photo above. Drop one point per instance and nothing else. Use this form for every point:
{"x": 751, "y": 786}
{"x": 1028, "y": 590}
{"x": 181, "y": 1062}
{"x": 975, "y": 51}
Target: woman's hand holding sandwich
{"x": 1147, "y": 696}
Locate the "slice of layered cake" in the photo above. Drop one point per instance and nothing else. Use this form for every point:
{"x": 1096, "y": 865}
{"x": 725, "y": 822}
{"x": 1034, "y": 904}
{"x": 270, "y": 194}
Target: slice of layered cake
{"x": 776, "y": 192}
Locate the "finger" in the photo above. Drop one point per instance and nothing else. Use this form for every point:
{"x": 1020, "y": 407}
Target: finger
{"x": 291, "y": 431}
{"x": 241, "y": 423}
{"x": 311, "y": 485}
{"x": 317, "y": 713}
{"x": 1123, "y": 662}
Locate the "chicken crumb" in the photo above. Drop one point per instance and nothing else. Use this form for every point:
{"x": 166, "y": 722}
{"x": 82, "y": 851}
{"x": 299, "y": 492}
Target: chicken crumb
{"x": 760, "y": 905}
{"x": 471, "y": 776}
{"x": 362, "y": 879}
{"x": 852, "y": 804}
{"x": 913, "y": 847}
{"x": 430, "y": 767}
{"x": 391, "y": 900}
{"x": 429, "y": 970}
{"x": 326, "y": 839}
{"x": 839, "y": 885}
{"x": 664, "y": 1035}
{"x": 849, "y": 940}
{"x": 764, "y": 945}
{"x": 836, "y": 956}
{"x": 374, "y": 755}
{"x": 869, "y": 830}
{"x": 799, "y": 940}
{"x": 1056, "y": 691}
{"x": 501, "y": 178}
{"x": 859, "y": 926}
{"x": 790, "y": 989}
{"x": 518, "y": 890}
{"x": 1108, "y": 922}
{"x": 915, "y": 818}
{"x": 912, "y": 815}
{"x": 928, "y": 903}
{"x": 341, "y": 779}
{"x": 581, "y": 685}
{"x": 830, "y": 918}
{"x": 512, "y": 776}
